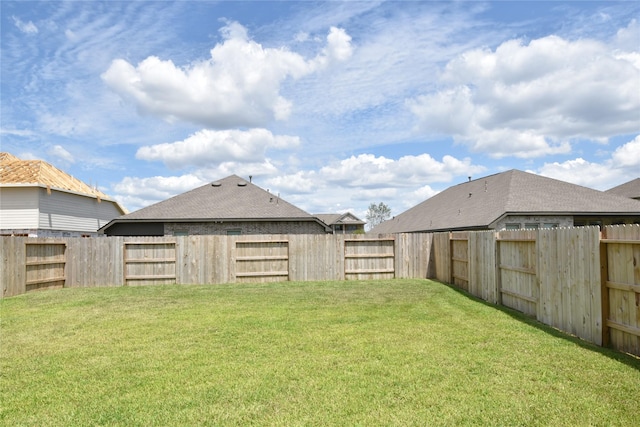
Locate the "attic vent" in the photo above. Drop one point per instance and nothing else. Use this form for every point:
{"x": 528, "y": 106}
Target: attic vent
{"x": 242, "y": 183}
{"x": 216, "y": 184}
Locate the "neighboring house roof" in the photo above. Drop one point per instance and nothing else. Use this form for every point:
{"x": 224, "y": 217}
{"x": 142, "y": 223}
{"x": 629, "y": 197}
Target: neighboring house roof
{"x": 629, "y": 189}
{"x": 335, "y": 219}
{"x": 28, "y": 173}
{"x": 480, "y": 203}
{"x": 231, "y": 198}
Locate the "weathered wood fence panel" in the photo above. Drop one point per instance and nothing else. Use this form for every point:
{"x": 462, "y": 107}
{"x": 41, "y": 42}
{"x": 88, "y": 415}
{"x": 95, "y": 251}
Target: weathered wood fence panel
{"x": 483, "y": 281}
{"x": 517, "y": 273}
{"x": 413, "y": 254}
{"x": 316, "y": 257}
{"x": 262, "y": 260}
{"x": 45, "y": 262}
{"x": 13, "y": 269}
{"x": 550, "y": 274}
{"x": 621, "y": 290}
{"x": 95, "y": 262}
{"x": 441, "y": 257}
{"x": 369, "y": 258}
{"x": 569, "y": 278}
{"x": 149, "y": 262}
{"x": 204, "y": 259}
{"x": 460, "y": 259}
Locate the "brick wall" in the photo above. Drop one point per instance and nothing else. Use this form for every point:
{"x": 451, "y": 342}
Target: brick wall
{"x": 241, "y": 227}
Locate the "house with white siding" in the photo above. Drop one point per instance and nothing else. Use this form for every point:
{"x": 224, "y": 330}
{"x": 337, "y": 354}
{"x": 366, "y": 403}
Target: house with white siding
{"x": 39, "y": 200}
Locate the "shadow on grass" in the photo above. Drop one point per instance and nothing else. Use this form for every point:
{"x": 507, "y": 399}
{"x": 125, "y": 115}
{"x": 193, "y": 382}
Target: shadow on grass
{"x": 626, "y": 358}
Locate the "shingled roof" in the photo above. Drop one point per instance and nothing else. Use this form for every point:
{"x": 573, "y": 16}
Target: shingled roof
{"x": 17, "y": 172}
{"x": 231, "y": 198}
{"x": 344, "y": 218}
{"x": 629, "y": 189}
{"x": 479, "y": 203}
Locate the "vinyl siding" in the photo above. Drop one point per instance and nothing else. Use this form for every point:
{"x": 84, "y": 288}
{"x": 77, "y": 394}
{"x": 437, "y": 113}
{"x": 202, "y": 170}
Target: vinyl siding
{"x": 72, "y": 212}
{"x": 18, "y": 208}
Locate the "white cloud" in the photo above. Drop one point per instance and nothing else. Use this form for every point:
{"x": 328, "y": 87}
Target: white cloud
{"x": 299, "y": 182}
{"x": 628, "y": 155}
{"x": 369, "y": 171}
{"x": 238, "y": 86}
{"x": 25, "y": 27}
{"x": 71, "y": 36}
{"x": 532, "y": 100}
{"x": 337, "y": 187}
{"x": 243, "y": 169}
{"x": 139, "y": 192}
{"x": 622, "y": 166}
{"x": 210, "y": 147}
{"x": 59, "y": 152}
{"x": 420, "y": 195}
{"x": 338, "y": 49}
{"x": 628, "y": 38}
{"x": 360, "y": 180}
{"x": 26, "y": 133}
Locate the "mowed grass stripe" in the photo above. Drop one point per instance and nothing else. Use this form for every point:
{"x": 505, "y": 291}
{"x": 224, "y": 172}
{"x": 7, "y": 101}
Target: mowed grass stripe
{"x": 399, "y": 352}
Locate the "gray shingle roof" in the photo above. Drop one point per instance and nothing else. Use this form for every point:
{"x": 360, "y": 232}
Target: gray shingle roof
{"x": 478, "y": 203}
{"x": 228, "y": 198}
{"x": 345, "y": 218}
{"x": 629, "y": 189}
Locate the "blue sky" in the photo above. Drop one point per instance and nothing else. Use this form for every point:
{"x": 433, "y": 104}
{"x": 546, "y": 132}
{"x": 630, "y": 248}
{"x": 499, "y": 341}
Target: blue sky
{"x": 333, "y": 105}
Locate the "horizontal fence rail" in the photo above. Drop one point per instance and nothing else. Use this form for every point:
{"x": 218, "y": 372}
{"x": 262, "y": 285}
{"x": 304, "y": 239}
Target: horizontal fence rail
{"x": 581, "y": 280}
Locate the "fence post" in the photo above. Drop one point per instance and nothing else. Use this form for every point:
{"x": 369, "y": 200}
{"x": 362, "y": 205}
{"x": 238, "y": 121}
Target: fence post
{"x": 496, "y": 236}
{"x": 604, "y": 291}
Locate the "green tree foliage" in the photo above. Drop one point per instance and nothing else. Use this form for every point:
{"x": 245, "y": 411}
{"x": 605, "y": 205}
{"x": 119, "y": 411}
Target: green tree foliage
{"x": 377, "y": 214}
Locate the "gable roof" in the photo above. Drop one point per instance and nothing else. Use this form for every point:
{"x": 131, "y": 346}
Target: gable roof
{"x": 231, "y": 198}
{"x": 345, "y": 218}
{"x": 479, "y": 203}
{"x": 629, "y": 189}
{"x": 25, "y": 173}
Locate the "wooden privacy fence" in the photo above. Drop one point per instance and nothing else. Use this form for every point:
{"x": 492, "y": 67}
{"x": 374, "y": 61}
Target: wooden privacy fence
{"x": 44, "y": 265}
{"x": 579, "y": 280}
{"x": 147, "y": 262}
{"x": 620, "y": 267}
{"x": 30, "y": 263}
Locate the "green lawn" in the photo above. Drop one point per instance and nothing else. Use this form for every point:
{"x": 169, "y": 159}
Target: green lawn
{"x": 400, "y": 352}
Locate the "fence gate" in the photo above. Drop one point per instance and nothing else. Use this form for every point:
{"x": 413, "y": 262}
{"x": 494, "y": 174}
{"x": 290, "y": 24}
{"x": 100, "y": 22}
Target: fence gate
{"x": 262, "y": 261}
{"x": 517, "y": 279}
{"x": 366, "y": 259}
{"x": 45, "y": 265}
{"x": 620, "y": 275}
{"x": 147, "y": 263}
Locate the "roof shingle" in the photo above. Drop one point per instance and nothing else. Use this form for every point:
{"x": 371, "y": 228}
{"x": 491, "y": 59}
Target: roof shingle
{"x": 478, "y": 203}
{"x": 629, "y": 189}
{"x": 229, "y": 198}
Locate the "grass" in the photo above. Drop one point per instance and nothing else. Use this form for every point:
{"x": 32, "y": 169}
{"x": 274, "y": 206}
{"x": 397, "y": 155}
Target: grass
{"x": 400, "y": 352}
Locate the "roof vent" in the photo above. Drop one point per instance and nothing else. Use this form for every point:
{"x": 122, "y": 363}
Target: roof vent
{"x": 242, "y": 183}
{"x": 216, "y": 184}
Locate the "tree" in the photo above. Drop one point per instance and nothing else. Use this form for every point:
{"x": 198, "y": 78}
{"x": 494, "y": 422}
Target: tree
{"x": 377, "y": 214}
